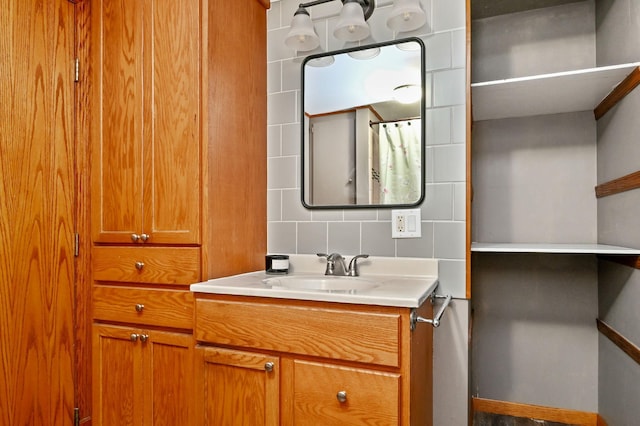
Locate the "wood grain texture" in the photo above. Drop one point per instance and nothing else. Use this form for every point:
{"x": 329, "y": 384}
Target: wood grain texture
{"x": 37, "y": 197}
{"x": 162, "y": 308}
{"x": 146, "y": 128}
{"x": 236, "y": 105}
{"x": 621, "y": 90}
{"x": 330, "y": 332}
{"x": 619, "y": 340}
{"x": 162, "y": 265}
{"x": 560, "y": 415}
{"x": 373, "y": 397}
{"x": 142, "y": 382}
{"x": 83, "y": 214}
{"x": 625, "y": 183}
{"x": 235, "y": 389}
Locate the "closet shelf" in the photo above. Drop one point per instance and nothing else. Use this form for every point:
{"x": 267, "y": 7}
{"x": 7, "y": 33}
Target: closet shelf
{"x": 553, "y": 248}
{"x": 555, "y": 93}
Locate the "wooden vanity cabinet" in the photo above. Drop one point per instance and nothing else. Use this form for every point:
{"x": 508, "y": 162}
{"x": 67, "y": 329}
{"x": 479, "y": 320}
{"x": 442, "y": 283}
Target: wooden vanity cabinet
{"x": 324, "y": 363}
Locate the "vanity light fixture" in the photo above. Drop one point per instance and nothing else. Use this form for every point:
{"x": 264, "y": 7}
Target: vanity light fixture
{"x": 352, "y": 26}
{"x": 406, "y": 15}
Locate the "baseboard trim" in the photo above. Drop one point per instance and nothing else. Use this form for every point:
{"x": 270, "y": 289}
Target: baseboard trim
{"x": 550, "y": 414}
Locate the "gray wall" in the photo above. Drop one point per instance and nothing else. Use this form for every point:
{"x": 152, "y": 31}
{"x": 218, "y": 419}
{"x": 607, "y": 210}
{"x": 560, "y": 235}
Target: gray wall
{"x": 534, "y": 337}
{"x": 292, "y": 229}
{"x": 619, "y": 154}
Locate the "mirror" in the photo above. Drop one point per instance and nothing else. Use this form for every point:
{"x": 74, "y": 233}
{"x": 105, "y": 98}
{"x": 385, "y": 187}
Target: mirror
{"x": 363, "y": 126}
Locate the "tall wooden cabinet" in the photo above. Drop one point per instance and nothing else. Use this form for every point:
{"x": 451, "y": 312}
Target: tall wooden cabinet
{"x": 178, "y": 150}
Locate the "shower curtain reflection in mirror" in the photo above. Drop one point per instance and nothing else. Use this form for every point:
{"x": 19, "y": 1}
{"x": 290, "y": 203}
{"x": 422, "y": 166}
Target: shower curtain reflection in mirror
{"x": 396, "y": 179}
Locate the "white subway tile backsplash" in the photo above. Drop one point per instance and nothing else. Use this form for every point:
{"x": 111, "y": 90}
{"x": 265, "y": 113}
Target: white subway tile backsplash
{"x": 450, "y": 163}
{"x": 448, "y": 15}
{"x": 438, "y": 126}
{"x": 449, "y": 87}
{"x": 459, "y": 124}
{"x": 459, "y": 48}
{"x": 274, "y": 77}
{"x": 438, "y": 51}
{"x": 459, "y": 201}
{"x": 360, "y": 215}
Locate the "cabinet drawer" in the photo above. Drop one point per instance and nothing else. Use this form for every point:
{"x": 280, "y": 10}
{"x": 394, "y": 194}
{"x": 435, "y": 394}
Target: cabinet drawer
{"x": 333, "y": 395}
{"x": 150, "y": 265}
{"x": 165, "y": 308}
{"x": 317, "y": 330}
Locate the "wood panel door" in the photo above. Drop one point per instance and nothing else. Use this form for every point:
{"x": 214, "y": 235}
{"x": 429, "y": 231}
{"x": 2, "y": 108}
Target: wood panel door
{"x": 37, "y": 202}
{"x": 237, "y": 388}
{"x": 118, "y": 376}
{"x": 146, "y": 121}
{"x": 169, "y": 379}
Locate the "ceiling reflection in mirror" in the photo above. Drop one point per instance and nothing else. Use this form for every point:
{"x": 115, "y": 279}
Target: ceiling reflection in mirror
{"x": 363, "y": 126}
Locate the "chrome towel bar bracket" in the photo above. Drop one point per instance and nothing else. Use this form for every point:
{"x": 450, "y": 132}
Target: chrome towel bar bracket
{"x": 415, "y": 318}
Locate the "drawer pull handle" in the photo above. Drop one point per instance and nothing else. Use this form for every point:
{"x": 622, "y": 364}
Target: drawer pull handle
{"x": 135, "y": 237}
{"x": 144, "y": 338}
{"x": 144, "y": 237}
{"x": 133, "y": 337}
{"x": 268, "y": 367}
{"x": 139, "y": 266}
{"x": 139, "y": 307}
{"x": 342, "y": 396}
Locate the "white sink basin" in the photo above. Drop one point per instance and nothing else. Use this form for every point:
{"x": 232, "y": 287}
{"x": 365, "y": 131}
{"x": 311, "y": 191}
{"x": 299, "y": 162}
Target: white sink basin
{"x": 324, "y": 283}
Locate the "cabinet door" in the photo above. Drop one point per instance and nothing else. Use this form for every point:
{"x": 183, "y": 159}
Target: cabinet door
{"x": 326, "y": 394}
{"x": 117, "y": 376}
{"x": 169, "y": 396}
{"x": 146, "y": 129}
{"x": 238, "y": 388}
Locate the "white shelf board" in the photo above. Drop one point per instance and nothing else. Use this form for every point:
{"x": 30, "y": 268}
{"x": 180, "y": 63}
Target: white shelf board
{"x": 570, "y": 91}
{"x": 552, "y": 248}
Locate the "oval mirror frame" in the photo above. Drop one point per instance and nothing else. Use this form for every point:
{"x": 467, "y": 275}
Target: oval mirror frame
{"x": 333, "y": 113}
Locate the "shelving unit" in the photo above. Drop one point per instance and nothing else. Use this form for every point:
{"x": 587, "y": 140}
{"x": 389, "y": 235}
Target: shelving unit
{"x": 571, "y": 91}
{"x": 603, "y": 249}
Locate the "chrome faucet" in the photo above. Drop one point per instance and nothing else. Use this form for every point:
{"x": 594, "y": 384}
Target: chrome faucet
{"x": 337, "y": 266}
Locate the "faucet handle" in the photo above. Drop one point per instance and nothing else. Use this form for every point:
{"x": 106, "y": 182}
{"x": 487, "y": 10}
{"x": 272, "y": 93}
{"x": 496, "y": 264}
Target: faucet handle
{"x": 353, "y": 265}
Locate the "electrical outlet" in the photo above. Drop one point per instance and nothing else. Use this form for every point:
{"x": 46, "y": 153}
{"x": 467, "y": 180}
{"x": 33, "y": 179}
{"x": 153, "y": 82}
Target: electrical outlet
{"x": 406, "y": 224}
{"x": 400, "y": 226}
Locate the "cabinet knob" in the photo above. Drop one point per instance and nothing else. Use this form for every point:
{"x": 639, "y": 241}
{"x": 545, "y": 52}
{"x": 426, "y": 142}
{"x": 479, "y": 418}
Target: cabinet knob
{"x": 342, "y": 396}
{"x": 139, "y": 307}
{"x": 139, "y": 266}
{"x": 144, "y": 338}
{"x": 134, "y": 337}
{"x": 135, "y": 237}
{"x": 268, "y": 367}
{"x": 144, "y": 237}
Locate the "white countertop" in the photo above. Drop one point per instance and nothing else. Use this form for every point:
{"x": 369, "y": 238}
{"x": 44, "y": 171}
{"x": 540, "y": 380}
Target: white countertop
{"x": 401, "y": 282}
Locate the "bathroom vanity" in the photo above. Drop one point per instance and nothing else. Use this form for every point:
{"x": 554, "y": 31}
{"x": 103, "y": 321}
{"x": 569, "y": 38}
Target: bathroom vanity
{"x": 276, "y": 355}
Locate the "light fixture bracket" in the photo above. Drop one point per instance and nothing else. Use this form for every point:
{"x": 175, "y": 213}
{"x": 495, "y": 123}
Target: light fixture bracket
{"x": 368, "y": 6}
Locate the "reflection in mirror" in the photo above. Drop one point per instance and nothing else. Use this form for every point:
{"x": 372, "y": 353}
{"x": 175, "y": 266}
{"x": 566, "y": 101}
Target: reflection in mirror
{"x": 363, "y": 126}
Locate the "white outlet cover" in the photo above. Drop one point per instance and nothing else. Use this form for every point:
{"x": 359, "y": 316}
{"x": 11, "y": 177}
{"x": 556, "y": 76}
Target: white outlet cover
{"x": 412, "y": 223}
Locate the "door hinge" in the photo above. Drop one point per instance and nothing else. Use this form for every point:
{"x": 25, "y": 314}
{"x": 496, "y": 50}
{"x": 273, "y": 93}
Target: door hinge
{"x": 76, "y": 70}
{"x": 76, "y": 250}
{"x": 76, "y": 416}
